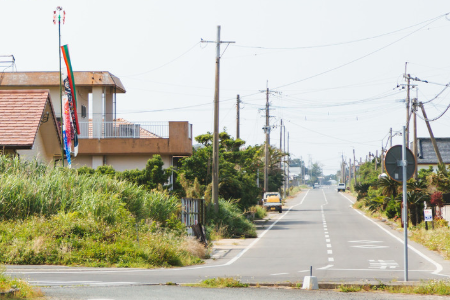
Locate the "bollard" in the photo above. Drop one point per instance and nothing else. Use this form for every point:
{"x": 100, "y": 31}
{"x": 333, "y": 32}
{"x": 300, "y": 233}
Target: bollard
{"x": 310, "y": 282}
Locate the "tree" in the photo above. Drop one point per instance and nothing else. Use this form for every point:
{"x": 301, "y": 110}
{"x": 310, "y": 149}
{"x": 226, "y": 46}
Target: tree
{"x": 152, "y": 176}
{"x": 238, "y": 168}
{"x": 315, "y": 172}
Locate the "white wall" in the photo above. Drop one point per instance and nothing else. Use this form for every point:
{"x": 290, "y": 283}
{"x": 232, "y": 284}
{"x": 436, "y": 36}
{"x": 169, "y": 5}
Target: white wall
{"x": 38, "y": 151}
{"x": 446, "y": 212}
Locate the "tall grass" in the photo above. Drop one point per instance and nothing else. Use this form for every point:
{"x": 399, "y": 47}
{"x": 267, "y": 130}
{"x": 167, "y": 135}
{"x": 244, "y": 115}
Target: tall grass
{"x": 437, "y": 239}
{"x": 23, "y": 290}
{"x": 229, "y": 220}
{"x": 32, "y": 189}
{"x": 72, "y": 239}
{"x": 57, "y": 216}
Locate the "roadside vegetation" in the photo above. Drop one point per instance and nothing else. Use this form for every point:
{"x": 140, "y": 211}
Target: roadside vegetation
{"x": 431, "y": 287}
{"x": 57, "y": 216}
{"x": 13, "y": 288}
{"x": 221, "y": 282}
{"x": 382, "y": 197}
{"x": 103, "y": 217}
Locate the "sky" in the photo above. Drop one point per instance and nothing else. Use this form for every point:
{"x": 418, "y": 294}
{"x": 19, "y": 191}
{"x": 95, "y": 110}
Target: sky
{"x": 334, "y": 68}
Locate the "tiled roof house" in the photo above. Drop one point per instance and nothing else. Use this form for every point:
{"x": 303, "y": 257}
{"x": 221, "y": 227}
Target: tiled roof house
{"x": 28, "y": 125}
{"x": 426, "y": 156}
{"x": 106, "y": 139}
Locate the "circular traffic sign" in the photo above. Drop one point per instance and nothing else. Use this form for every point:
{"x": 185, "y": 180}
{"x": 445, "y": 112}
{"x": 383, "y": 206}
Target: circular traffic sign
{"x": 392, "y": 163}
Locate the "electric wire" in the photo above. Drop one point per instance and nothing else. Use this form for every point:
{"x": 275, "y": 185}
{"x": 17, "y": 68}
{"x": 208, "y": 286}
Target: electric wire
{"x": 362, "y": 57}
{"x": 157, "y": 68}
{"x": 344, "y": 43}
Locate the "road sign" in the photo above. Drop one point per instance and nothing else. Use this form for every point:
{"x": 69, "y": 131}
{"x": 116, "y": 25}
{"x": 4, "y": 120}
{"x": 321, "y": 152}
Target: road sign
{"x": 428, "y": 214}
{"x": 393, "y": 163}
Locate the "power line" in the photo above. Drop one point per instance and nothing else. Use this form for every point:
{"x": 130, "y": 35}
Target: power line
{"x": 359, "y": 58}
{"x": 342, "y": 43}
{"x": 157, "y": 68}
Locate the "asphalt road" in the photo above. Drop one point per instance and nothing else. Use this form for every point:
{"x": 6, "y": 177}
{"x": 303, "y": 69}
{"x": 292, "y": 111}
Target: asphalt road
{"x": 317, "y": 229}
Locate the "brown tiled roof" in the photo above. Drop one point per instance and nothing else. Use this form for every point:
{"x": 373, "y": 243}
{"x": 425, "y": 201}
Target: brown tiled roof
{"x": 20, "y": 116}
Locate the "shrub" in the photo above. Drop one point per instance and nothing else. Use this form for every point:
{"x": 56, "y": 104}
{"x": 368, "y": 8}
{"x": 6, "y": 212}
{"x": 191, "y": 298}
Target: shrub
{"x": 73, "y": 239}
{"x": 393, "y": 209}
{"x": 230, "y": 217}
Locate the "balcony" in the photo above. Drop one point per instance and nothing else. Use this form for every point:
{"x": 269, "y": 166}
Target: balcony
{"x": 122, "y": 137}
{"x": 123, "y": 129}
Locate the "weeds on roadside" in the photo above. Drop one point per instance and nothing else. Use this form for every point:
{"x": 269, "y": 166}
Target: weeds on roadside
{"x": 23, "y": 289}
{"x": 222, "y": 282}
{"x": 431, "y": 287}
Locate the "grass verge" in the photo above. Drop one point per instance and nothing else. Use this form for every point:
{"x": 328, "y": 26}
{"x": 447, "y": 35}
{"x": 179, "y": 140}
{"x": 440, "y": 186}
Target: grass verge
{"x": 74, "y": 239}
{"x": 220, "y": 282}
{"x": 431, "y": 287}
{"x": 21, "y": 288}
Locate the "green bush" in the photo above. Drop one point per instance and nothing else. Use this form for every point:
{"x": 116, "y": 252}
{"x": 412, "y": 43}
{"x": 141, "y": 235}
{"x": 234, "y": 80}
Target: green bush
{"x": 73, "y": 239}
{"x": 393, "y": 209}
{"x": 231, "y": 218}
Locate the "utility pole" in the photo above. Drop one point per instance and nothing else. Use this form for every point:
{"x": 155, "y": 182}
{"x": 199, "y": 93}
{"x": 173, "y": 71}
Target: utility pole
{"x": 390, "y": 138}
{"x": 382, "y": 158}
{"x": 350, "y": 171}
{"x": 289, "y": 161}
{"x": 408, "y": 78}
{"x": 433, "y": 141}
{"x": 284, "y": 162}
{"x": 237, "y": 117}
{"x": 376, "y": 160}
{"x": 354, "y": 165}
{"x": 215, "y": 172}
{"x": 281, "y": 139}
{"x": 415, "y": 130}
{"x": 266, "y": 148}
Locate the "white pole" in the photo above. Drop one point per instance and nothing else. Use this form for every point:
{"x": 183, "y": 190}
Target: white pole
{"x": 405, "y": 204}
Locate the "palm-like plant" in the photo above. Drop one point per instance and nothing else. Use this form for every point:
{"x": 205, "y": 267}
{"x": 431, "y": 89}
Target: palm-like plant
{"x": 389, "y": 186}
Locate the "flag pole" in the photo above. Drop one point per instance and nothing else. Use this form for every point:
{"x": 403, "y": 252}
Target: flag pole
{"x": 59, "y": 9}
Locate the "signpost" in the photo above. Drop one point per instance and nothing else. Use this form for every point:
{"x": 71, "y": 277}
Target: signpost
{"x": 400, "y": 164}
{"x": 428, "y": 214}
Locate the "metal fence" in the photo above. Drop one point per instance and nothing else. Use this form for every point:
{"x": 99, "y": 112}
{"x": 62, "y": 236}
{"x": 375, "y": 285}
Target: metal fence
{"x": 123, "y": 129}
{"x": 192, "y": 211}
{"x": 193, "y": 216}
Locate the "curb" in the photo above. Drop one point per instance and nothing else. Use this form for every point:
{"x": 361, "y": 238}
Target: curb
{"x": 322, "y": 286}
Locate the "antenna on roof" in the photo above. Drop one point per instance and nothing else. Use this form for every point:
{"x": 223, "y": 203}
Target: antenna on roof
{"x": 7, "y": 61}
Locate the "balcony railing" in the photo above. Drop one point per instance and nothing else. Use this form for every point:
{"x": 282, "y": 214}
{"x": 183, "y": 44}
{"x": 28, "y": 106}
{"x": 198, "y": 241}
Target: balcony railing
{"x": 123, "y": 129}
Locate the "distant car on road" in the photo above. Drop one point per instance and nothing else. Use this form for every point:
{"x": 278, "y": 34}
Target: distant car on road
{"x": 272, "y": 201}
{"x": 341, "y": 187}
{"x": 316, "y": 186}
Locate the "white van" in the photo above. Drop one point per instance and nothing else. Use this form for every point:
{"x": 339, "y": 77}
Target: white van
{"x": 341, "y": 187}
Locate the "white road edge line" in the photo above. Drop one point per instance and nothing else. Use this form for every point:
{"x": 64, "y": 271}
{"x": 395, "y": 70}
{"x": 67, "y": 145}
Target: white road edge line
{"x": 262, "y": 234}
{"x": 179, "y": 269}
{"x": 324, "y": 268}
{"x": 439, "y": 268}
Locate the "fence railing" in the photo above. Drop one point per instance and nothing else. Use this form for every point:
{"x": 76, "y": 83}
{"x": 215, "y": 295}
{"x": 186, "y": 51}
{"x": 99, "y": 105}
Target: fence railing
{"x": 192, "y": 211}
{"x": 193, "y": 216}
{"x": 123, "y": 129}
